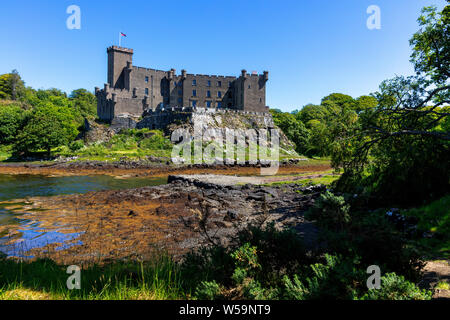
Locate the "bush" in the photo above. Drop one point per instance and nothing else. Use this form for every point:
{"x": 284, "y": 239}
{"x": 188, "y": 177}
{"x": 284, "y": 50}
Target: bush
{"x": 369, "y": 236}
{"x": 336, "y": 278}
{"x": 251, "y": 268}
{"x": 207, "y": 290}
{"x": 156, "y": 142}
{"x": 94, "y": 150}
{"x": 394, "y": 287}
{"x": 330, "y": 211}
{"x": 76, "y": 145}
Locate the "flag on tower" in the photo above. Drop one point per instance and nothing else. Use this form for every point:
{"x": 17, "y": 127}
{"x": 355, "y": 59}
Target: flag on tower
{"x": 121, "y": 34}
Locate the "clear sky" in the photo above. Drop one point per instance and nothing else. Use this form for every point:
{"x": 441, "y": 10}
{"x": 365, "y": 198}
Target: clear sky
{"x": 310, "y": 48}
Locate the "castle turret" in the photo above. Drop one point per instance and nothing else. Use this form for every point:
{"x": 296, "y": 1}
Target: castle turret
{"x": 171, "y": 74}
{"x": 118, "y": 60}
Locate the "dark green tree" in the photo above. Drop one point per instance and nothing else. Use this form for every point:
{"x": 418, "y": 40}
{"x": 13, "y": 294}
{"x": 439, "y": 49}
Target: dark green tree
{"x": 12, "y": 118}
{"x": 403, "y": 143}
{"x": 84, "y": 103}
{"x": 48, "y": 126}
{"x": 11, "y": 86}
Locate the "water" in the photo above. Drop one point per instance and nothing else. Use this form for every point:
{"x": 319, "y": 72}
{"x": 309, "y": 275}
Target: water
{"x": 22, "y": 186}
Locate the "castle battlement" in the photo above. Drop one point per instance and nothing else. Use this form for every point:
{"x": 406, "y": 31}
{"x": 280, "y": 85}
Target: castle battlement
{"x": 121, "y": 49}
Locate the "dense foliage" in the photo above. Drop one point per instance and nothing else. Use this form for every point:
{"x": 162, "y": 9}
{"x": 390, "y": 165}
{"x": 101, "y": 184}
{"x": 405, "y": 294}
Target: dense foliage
{"x": 40, "y": 120}
{"x": 393, "y": 144}
{"x": 264, "y": 263}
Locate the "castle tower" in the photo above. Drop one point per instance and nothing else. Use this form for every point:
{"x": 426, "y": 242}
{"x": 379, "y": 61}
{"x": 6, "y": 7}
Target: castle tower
{"x": 119, "y": 59}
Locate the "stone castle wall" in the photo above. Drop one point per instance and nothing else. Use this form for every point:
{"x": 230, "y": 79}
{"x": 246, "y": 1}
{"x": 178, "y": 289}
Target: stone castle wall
{"x": 131, "y": 91}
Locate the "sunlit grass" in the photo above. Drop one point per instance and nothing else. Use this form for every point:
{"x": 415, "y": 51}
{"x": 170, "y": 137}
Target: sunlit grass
{"x": 326, "y": 180}
{"x": 45, "y": 280}
{"x": 434, "y": 219}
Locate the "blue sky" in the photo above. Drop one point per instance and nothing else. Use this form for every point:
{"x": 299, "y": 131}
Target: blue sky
{"x": 311, "y": 48}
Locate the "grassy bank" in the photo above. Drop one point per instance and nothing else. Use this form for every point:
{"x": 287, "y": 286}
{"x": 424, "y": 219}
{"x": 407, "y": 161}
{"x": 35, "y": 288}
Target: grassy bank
{"x": 44, "y": 280}
{"x": 263, "y": 264}
{"x": 433, "y": 222}
{"x": 128, "y": 144}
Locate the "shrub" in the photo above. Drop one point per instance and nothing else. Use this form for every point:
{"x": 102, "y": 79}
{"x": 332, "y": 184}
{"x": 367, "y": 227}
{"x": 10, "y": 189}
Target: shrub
{"x": 76, "y": 145}
{"x": 156, "y": 142}
{"x": 330, "y": 211}
{"x": 94, "y": 150}
{"x": 207, "y": 290}
{"x": 336, "y": 278}
{"x": 279, "y": 252}
{"x": 394, "y": 287}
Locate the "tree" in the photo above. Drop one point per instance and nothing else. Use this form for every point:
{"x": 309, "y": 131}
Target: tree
{"x": 48, "y": 126}
{"x": 365, "y": 103}
{"x": 84, "y": 103}
{"x": 431, "y": 49}
{"x": 311, "y": 112}
{"x": 295, "y": 130}
{"x": 404, "y": 141}
{"x": 11, "y": 120}
{"x": 337, "y": 102}
{"x": 11, "y": 86}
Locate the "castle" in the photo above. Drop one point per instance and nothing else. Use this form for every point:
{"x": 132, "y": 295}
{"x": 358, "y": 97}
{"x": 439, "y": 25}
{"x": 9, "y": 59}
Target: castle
{"x": 134, "y": 92}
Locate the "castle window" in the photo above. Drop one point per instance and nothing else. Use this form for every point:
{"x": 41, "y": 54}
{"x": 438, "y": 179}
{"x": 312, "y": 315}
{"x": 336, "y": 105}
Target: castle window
{"x": 249, "y": 86}
{"x": 180, "y": 92}
{"x": 219, "y": 94}
{"x": 146, "y": 79}
{"x": 219, "y": 104}
{"x": 208, "y": 104}
{"x": 194, "y": 93}
{"x": 194, "y": 103}
{"x": 208, "y": 94}
{"x": 146, "y": 91}
{"x": 194, "y": 82}
{"x": 209, "y": 83}
{"x": 219, "y": 83}
{"x": 180, "y": 100}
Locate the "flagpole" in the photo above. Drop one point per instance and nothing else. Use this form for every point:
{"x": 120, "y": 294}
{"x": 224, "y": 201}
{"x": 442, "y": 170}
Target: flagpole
{"x": 120, "y": 39}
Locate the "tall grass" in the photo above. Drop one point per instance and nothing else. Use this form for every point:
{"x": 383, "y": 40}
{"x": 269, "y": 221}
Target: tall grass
{"x": 44, "y": 279}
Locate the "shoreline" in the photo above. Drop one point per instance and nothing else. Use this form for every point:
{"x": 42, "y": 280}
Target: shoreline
{"x": 138, "y": 169}
{"x": 131, "y": 223}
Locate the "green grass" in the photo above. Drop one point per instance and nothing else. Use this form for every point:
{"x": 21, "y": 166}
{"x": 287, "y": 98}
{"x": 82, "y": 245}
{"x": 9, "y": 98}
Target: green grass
{"x": 434, "y": 219}
{"x": 5, "y": 153}
{"x": 326, "y": 180}
{"x": 442, "y": 286}
{"x": 45, "y": 280}
{"x": 137, "y": 144}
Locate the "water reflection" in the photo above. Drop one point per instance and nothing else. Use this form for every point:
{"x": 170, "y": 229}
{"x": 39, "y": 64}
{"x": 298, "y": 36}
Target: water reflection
{"x": 23, "y": 186}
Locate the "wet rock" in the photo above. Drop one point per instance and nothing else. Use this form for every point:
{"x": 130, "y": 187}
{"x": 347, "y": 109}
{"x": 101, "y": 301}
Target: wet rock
{"x": 132, "y": 214}
{"x": 231, "y": 215}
